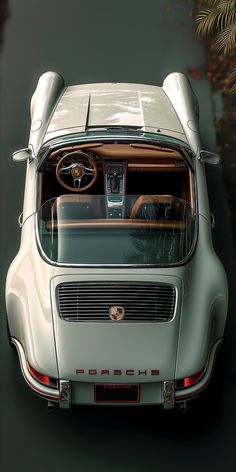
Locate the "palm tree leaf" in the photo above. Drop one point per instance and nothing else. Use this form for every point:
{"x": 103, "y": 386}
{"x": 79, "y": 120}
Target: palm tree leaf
{"x": 232, "y": 75}
{"x": 233, "y": 88}
{"x": 223, "y": 5}
{"x": 206, "y": 22}
{"x": 216, "y": 3}
{"x": 232, "y": 78}
{"x": 226, "y": 14}
{"x": 226, "y": 39}
{"x": 219, "y": 15}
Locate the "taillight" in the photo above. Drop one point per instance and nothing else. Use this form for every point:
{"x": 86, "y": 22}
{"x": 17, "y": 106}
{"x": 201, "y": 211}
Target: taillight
{"x": 43, "y": 379}
{"x": 189, "y": 381}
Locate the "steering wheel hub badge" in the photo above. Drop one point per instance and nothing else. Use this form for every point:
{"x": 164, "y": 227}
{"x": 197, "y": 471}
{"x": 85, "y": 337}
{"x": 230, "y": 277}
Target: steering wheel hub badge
{"x": 77, "y": 171}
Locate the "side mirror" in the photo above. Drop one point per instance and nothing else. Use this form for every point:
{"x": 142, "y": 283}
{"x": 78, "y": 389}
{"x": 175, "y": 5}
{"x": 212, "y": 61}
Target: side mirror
{"x": 22, "y": 155}
{"x": 209, "y": 157}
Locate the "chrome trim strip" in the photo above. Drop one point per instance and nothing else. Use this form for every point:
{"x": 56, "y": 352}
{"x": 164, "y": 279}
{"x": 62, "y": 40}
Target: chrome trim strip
{"x": 47, "y": 392}
{"x": 168, "y": 394}
{"x": 20, "y": 220}
{"x": 191, "y": 392}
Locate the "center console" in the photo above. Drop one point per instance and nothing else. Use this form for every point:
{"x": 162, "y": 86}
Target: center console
{"x": 115, "y": 188}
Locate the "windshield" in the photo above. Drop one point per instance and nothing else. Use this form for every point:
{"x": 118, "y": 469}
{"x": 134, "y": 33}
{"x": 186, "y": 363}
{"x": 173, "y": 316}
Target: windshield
{"x": 130, "y": 230}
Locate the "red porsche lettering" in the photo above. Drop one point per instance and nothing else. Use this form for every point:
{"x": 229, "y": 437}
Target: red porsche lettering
{"x": 92, "y": 371}
{"x": 117, "y": 372}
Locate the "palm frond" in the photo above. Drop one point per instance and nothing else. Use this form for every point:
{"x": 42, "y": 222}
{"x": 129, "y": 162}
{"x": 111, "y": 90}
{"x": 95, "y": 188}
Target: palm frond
{"x": 232, "y": 78}
{"x": 212, "y": 2}
{"x": 206, "y": 21}
{"x": 226, "y": 15}
{"x": 218, "y": 20}
{"x": 232, "y": 74}
{"x": 218, "y": 15}
{"x": 223, "y": 4}
{"x": 233, "y": 89}
{"x": 226, "y": 40}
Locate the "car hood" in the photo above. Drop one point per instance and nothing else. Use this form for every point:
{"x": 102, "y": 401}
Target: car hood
{"x": 58, "y": 110}
{"x": 85, "y": 107}
{"x": 97, "y": 351}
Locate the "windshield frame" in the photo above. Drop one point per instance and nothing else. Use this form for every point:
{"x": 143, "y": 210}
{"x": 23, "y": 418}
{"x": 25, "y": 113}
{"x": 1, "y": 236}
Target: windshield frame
{"x": 118, "y": 137}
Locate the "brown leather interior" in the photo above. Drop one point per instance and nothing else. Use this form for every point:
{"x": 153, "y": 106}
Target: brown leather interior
{"x": 117, "y": 223}
{"x": 149, "y": 170}
{"x": 74, "y": 148}
{"x": 136, "y": 151}
{"x": 77, "y": 207}
{"x": 144, "y": 200}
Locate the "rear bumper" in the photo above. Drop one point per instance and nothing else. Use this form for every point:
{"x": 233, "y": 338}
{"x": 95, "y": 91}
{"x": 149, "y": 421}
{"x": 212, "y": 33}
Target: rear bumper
{"x": 60, "y": 394}
{"x": 195, "y": 390}
{"x": 153, "y": 393}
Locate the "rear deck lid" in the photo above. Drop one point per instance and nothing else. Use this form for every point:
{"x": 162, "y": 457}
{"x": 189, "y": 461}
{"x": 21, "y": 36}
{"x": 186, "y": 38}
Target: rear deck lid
{"x": 92, "y": 345}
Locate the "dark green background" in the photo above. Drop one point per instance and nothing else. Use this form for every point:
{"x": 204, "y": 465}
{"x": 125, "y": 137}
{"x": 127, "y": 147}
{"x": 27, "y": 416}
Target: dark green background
{"x": 93, "y": 41}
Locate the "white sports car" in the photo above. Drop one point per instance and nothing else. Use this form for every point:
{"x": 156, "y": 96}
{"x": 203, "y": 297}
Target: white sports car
{"x": 116, "y": 295}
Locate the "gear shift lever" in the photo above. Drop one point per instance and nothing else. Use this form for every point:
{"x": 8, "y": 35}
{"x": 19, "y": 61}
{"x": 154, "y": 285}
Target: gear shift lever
{"x": 115, "y": 183}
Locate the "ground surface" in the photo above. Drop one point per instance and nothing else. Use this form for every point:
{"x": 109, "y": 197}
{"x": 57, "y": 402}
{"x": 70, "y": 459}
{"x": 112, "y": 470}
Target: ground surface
{"x": 90, "y": 41}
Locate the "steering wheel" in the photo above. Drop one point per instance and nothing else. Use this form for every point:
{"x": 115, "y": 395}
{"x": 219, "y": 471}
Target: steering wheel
{"x": 76, "y": 164}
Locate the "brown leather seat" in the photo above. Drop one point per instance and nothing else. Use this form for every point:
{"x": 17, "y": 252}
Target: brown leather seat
{"x": 74, "y": 207}
{"x": 155, "y": 207}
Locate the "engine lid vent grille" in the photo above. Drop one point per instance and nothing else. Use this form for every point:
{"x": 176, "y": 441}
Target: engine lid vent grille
{"x": 95, "y": 302}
